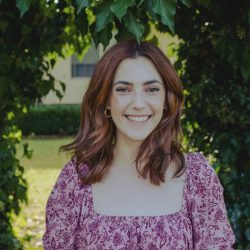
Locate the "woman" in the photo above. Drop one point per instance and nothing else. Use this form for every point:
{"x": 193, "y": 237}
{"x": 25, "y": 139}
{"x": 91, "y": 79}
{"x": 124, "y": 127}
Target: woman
{"x": 129, "y": 185}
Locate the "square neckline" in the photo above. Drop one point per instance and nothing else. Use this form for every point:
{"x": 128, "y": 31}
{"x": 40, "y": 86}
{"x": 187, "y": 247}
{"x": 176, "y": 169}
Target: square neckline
{"x": 179, "y": 212}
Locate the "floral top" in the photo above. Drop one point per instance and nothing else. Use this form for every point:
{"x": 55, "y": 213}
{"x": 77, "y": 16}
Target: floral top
{"x": 202, "y": 223}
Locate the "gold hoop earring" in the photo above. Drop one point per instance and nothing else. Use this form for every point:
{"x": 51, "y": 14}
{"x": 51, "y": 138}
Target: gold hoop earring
{"x": 105, "y": 113}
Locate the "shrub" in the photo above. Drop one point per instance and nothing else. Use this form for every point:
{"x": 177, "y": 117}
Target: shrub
{"x": 61, "y": 119}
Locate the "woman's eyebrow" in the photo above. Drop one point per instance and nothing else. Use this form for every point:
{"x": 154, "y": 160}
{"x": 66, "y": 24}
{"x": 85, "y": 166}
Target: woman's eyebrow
{"x": 145, "y": 83}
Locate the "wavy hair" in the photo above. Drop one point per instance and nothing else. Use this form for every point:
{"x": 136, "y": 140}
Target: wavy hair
{"x": 95, "y": 140}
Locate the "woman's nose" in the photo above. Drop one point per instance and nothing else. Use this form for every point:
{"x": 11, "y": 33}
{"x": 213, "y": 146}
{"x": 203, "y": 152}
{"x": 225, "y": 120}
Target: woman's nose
{"x": 138, "y": 101}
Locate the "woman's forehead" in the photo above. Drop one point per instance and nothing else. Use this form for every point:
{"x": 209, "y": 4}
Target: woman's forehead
{"x": 139, "y": 69}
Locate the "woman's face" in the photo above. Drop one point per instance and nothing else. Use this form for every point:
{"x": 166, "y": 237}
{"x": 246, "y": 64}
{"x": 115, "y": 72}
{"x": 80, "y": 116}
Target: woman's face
{"x": 137, "y": 98}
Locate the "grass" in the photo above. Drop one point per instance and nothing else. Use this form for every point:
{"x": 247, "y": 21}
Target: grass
{"x": 41, "y": 172}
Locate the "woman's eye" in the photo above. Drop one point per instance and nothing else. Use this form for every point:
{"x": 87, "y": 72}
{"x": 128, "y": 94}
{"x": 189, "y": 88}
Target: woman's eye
{"x": 122, "y": 90}
{"x": 152, "y": 90}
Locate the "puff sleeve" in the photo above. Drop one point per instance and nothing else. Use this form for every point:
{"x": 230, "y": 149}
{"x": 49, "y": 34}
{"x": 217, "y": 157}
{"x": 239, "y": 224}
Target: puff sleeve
{"x": 63, "y": 210}
{"x": 211, "y": 228}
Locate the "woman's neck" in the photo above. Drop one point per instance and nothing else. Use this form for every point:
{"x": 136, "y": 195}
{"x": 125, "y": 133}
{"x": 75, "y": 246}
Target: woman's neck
{"x": 125, "y": 153}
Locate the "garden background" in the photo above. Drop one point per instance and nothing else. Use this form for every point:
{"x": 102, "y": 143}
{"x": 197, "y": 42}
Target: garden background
{"x": 212, "y": 57}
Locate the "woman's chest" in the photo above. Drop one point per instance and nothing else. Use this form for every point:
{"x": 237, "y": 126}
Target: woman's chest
{"x": 131, "y": 197}
{"x": 160, "y": 232}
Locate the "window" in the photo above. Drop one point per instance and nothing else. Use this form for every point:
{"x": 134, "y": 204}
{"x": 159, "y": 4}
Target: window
{"x": 82, "y": 69}
{"x": 85, "y": 67}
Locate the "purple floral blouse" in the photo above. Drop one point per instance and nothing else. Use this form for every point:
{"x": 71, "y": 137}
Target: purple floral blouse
{"x": 202, "y": 223}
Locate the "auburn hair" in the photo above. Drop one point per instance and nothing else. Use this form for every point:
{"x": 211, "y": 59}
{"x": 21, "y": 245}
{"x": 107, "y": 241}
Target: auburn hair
{"x": 95, "y": 140}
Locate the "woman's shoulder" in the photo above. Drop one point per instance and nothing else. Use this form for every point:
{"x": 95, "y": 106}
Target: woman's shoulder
{"x": 199, "y": 169}
{"x": 65, "y": 205}
{"x": 199, "y": 164}
{"x": 71, "y": 164}
{"x": 70, "y": 174}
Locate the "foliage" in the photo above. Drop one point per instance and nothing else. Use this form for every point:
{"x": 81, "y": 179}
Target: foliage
{"x": 13, "y": 186}
{"x": 51, "y": 120}
{"x": 215, "y": 70}
{"x": 213, "y": 62}
{"x": 28, "y": 51}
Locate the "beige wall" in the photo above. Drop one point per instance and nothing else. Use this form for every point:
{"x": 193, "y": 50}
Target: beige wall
{"x": 76, "y": 86}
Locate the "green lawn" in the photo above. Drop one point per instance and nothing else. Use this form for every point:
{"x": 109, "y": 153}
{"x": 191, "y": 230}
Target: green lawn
{"x": 41, "y": 172}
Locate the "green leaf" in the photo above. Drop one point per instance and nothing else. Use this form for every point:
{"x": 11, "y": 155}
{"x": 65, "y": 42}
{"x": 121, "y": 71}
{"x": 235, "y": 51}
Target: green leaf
{"x": 134, "y": 25}
{"x": 27, "y": 151}
{"x": 44, "y": 87}
{"x": 122, "y": 31}
{"x": 245, "y": 64}
{"x": 247, "y": 233}
{"x": 81, "y": 22}
{"x": 104, "y": 36}
{"x": 5, "y": 83}
{"x": 52, "y": 62}
{"x": 80, "y": 4}
{"x": 123, "y": 34}
{"x": 188, "y": 3}
{"x": 234, "y": 53}
{"x": 58, "y": 94}
{"x": 149, "y": 7}
{"x": 222, "y": 45}
{"x": 23, "y": 6}
{"x": 119, "y": 8}
{"x": 103, "y": 15}
{"x": 166, "y": 9}
{"x": 63, "y": 86}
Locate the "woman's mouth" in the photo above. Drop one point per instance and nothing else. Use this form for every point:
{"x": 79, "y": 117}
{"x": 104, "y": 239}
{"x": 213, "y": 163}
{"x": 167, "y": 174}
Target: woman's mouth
{"x": 138, "y": 118}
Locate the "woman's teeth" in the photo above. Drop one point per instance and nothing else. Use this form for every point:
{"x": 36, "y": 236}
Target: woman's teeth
{"x": 138, "y": 118}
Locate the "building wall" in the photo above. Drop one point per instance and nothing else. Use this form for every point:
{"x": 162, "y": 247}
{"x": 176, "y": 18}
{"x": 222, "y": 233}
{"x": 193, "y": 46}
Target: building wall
{"x": 76, "y": 86}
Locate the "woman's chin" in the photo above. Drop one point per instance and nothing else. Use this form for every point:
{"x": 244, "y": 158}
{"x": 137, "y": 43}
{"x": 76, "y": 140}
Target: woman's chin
{"x": 137, "y": 137}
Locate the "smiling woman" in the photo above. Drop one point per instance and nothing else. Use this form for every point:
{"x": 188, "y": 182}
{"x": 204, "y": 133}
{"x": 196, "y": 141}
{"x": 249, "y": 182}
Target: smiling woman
{"x": 135, "y": 100}
{"x": 129, "y": 184}
{"x": 131, "y": 80}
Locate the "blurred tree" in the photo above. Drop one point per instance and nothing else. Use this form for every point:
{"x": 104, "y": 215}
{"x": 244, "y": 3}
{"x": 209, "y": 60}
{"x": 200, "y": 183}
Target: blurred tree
{"x": 214, "y": 64}
{"x": 29, "y": 46}
{"x": 213, "y": 61}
